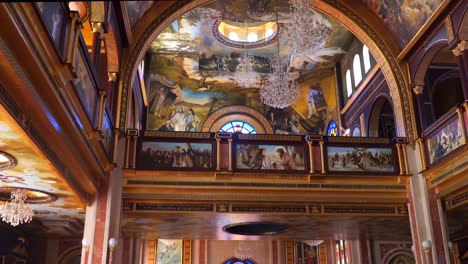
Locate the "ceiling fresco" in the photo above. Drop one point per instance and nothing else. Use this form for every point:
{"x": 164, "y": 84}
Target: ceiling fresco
{"x": 192, "y": 71}
{"x": 404, "y": 18}
{"x": 34, "y": 171}
{"x": 137, "y": 9}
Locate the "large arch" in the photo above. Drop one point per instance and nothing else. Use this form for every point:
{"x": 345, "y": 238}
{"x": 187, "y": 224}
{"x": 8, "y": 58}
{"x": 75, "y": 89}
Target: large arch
{"x": 354, "y": 23}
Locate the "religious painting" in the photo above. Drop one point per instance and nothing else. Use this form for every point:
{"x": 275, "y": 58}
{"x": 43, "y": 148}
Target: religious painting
{"x": 305, "y": 253}
{"x": 360, "y": 159}
{"x": 444, "y": 141}
{"x": 401, "y": 259}
{"x": 175, "y": 155}
{"x": 169, "y": 251}
{"x": 84, "y": 86}
{"x": 404, "y": 18}
{"x": 192, "y": 74}
{"x": 55, "y": 18}
{"x": 269, "y": 157}
{"x": 137, "y": 9}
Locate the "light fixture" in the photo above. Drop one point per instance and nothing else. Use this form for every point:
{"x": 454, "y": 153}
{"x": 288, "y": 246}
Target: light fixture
{"x": 305, "y": 33}
{"x": 242, "y": 252}
{"x": 17, "y": 211}
{"x": 245, "y": 76}
{"x": 85, "y": 243}
{"x": 279, "y": 91}
{"x": 426, "y": 244}
{"x": 112, "y": 244}
{"x": 450, "y": 245}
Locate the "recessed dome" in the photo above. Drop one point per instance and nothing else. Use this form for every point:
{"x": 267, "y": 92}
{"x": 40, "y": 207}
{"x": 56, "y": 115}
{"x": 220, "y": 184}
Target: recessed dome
{"x": 245, "y": 35}
{"x": 255, "y": 228}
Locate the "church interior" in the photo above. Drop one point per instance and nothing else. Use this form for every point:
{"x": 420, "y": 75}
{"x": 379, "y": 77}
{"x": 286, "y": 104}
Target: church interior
{"x": 234, "y": 132}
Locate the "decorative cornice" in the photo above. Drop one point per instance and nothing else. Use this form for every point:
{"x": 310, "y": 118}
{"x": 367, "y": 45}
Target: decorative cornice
{"x": 460, "y": 48}
{"x": 112, "y": 76}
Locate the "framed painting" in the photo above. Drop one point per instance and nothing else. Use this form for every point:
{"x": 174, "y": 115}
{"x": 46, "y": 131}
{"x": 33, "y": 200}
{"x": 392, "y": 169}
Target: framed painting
{"x": 360, "y": 159}
{"x": 305, "y": 253}
{"x": 158, "y": 154}
{"x": 85, "y": 86}
{"x": 169, "y": 251}
{"x": 445, "y": 140}
{"x": 254, "y": 156}
{"x": 55, "y": 18}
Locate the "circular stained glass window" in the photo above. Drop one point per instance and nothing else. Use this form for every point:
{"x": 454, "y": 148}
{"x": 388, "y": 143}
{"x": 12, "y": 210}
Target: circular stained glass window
{"x": 238, "y": 127}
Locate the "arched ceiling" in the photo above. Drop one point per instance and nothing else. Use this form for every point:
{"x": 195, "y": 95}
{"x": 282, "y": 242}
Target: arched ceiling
{"x": 190, "y": 67}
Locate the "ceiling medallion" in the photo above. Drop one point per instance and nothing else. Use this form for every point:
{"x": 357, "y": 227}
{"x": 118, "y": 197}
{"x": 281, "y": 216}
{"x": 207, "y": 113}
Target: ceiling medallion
{"x": 33, "y": 196}
{"x": 7, "y": 161}
{"x": 220, "y": 31}
{"x": 17, "y": 211}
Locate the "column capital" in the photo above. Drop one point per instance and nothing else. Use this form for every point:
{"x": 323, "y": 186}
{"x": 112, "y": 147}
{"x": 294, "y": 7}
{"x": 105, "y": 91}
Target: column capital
{"x": 418, "y": 89}
{"x": 112, "y": 76}
{"x": 460, "y": 48}
{"x": 98, "y": 27}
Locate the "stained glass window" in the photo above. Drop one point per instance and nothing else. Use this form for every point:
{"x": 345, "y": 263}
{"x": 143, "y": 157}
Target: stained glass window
{"x": 366, "y": 58}
{"x": 357, "y": 70}
{"x": 332, "y": 130}
{"x": 238, "y": 261}
{"x": 238, "y": 127}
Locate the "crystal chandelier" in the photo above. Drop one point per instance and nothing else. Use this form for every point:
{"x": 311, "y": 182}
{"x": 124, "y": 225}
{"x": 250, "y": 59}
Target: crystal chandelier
{"x": 245, "y": 76}
{"x": 279, "y": 91}
{"x": 16, "y": 211}
{"x": 242, "y": 252}
{"x": 306, "y": 32}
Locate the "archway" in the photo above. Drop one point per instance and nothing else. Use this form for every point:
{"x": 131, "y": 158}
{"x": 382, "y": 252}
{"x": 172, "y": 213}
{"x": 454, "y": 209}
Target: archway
{"x": 354, "y": 23}
{"x": 381, "y": 120}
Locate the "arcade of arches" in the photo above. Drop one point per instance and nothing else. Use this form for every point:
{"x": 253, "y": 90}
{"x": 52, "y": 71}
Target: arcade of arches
{"x": 137, "y": 135}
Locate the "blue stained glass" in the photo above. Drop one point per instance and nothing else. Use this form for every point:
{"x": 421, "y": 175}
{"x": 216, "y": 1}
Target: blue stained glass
{"x": 239, "y": 127}
{"x": 332, "y": 129}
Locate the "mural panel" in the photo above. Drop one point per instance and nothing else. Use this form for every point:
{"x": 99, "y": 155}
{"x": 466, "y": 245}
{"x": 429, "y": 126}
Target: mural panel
{"x": 404, "y": 17}
{"x": 169, "y": 251}
{"x": 354, "y": 159}
{"x": 55, "y": 18}
{"x": 444, "y": 141}
{"x": 269, "y": 157}
{"x": 192, "y": 73}
{"x": 180, "y": 155}
{"x": 137, "y": 9}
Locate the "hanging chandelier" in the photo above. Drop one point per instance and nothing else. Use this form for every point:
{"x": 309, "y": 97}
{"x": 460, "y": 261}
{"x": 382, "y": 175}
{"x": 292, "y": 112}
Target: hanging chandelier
{"x": 242, "y": 252}
{"x": 16, "y": 211}
{"x": 306, "y": 32}
{"x": 245, "y": 76}
{"x": 279, "y": 91}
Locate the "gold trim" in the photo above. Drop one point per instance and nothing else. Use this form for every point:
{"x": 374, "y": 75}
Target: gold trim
{"x": 422, "y": 155}
{"x": 418, "y": 89}
{"x": 98, "y": 27}
{"x": 102, "y": 94}
{"x": 187, "y": 252}
{"x": 460, "y": 48}
{"x": 143, "y": 87}
{"x": 218, "y": 155}
{"x": 112, "y": 76}
{"x": 405, "y": 158}
{"x": 289, "y": 254}
{"x": 230, "y": 154}
{"x": 311, "y": 159}
{"x": 322, "y": 154}
{"x": 400, "y": 162}
{"x": 422, "y": 30}
{"x": 462, "y": 124}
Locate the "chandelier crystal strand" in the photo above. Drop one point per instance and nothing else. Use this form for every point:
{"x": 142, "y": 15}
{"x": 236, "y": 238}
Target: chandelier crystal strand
{"x": 306, "y": 32}
{"x": 245, "y": 76}
{"x": 17, "y": 211}
{"x": 279, "y": 91}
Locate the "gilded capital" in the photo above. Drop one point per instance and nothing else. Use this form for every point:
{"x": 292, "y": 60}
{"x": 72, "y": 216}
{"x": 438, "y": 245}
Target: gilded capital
{"x": 98, "y": 27}
{"x": 112, "y": 76}
{"x": 460, "y": 48}
{"x": 418, "y": 89}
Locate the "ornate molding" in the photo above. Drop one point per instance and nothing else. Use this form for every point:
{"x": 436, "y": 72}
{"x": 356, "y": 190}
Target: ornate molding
{"x": 460, "y": 48}
{"x": 112, "y": 76}
{"x": 418, "y": 89}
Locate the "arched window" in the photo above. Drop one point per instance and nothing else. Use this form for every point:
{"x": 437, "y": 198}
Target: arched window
{"x": 349, "y": 85}
{"x": 366, "y": 58}
{"x": 233, "y": 36}
{"x": 238, "y": 261}
{"x": 356, "y": 132}
{"x": 332, "y": 130}
{"x": 238, "y": 127}
{"x": 252, "y": 37}
{"x": 357, "y": 70}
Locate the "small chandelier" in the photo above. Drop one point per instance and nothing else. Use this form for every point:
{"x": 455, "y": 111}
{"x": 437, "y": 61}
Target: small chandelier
{"x": 17, "y": 211}
{"x": 242, "y": 252}
{"x": 279, "y": 91}
{"x": 306, "y": 32}
{"x": 245, "y": 76}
